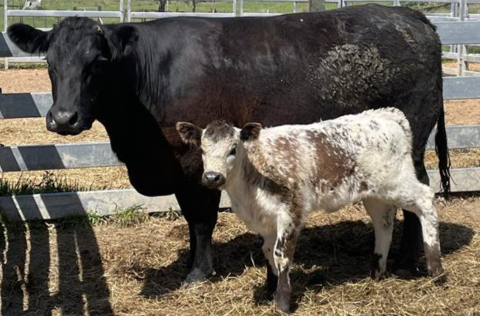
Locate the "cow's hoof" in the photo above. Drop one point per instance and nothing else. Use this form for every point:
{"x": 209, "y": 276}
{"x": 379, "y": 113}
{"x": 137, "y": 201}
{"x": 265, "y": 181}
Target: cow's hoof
{"x": 403, "y": 273}
{"x": 196, "y": 276}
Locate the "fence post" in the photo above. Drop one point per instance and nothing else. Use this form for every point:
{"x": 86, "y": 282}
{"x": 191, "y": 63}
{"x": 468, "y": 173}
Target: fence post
{"x": 316, "y": 5}
{"x": 462, "y": 49}
{"x": 129, "y": 10}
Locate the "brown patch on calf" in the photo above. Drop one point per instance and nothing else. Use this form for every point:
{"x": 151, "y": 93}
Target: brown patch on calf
{"x": 263, "y": 172}
{"x": 218, "y": 130}
{"x": 333, "y": 163}
{"x": 250, "y": 131}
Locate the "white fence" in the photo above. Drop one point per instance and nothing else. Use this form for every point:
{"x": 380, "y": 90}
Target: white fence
{"x": 81, "y": 155}
{"x": 458, "y": 12}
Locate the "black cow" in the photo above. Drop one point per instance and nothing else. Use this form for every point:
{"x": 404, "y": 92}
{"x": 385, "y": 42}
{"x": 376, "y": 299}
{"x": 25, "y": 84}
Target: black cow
{"x": 139, "y": 79}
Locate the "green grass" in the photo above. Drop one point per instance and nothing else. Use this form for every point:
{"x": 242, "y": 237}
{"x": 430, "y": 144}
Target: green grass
{"x": 186, "y": 6}
{"x": 128, "y": 217}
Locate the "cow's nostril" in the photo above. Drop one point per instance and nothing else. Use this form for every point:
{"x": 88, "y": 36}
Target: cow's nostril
{"x": 73, "y": 119}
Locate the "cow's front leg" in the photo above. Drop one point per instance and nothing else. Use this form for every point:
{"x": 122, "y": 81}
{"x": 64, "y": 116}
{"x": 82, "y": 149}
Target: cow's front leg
{"x": 283, "y": 258}
{"x": 200, "y": 208}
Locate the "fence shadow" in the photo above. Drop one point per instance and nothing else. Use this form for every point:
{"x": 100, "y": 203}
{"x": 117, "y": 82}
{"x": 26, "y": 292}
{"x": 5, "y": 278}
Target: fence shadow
{"x": 342, "y": 252}
{"x": 79, "y": 283}
{"x": 78, "y": 286}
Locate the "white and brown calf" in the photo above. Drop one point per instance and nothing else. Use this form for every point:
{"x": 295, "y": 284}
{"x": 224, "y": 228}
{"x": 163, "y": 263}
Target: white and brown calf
{"x": 276, "y": 176}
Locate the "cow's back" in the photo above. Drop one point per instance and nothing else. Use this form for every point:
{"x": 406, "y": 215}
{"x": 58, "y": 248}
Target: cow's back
{"x": 295, "y": 68}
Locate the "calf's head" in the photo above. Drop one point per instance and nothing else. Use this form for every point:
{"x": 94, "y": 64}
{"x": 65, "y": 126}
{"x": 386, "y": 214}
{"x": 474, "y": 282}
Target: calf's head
{"x": 222, "y": 149}
{"x": 79, "y": 52}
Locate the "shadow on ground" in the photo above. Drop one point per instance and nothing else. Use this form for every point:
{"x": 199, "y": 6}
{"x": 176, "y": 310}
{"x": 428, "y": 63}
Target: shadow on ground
{"x": 80, "y": 286}
{"x": 327, "y": 255}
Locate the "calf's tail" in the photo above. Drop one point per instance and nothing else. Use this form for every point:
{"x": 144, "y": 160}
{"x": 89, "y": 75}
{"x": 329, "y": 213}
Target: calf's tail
{"x": 441, "y": 148}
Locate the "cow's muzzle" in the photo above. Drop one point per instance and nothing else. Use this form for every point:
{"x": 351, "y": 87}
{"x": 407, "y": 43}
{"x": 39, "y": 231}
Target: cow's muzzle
{"x": 66, "y": 122}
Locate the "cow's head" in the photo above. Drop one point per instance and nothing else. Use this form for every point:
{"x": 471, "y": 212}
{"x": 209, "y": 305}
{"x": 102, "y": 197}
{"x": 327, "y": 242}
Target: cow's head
{"x": 79, "y": 52}
{"x": 222, "y": 149}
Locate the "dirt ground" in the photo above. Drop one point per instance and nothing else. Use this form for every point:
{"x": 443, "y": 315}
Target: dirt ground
{"x": 79, "y": 269}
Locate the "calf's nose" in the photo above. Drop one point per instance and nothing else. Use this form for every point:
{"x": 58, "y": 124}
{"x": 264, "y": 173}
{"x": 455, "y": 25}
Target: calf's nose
{"x": 213, "y": 179}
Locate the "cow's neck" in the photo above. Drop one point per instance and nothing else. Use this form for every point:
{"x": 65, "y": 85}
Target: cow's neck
{"x": 137, "y": 138}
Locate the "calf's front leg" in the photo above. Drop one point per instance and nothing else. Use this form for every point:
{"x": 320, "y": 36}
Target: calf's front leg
{"x": 283, "y": 258}
{"x": 383, "y": 216}
{"x": 272, "y": 279}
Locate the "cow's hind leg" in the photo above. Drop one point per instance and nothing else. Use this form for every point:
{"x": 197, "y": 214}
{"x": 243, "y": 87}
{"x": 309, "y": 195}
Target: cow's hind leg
{"x": 419, "y": 200}
{"x": 383, "y": 216}
{"x": 200, "y": 208}
{"x": 411, "y": 242}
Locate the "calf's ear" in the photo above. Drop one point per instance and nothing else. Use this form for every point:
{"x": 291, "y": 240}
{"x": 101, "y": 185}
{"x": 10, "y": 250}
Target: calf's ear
{"x": 189, "y": 133}
{"x": 250, "y": 131}
{"x": 28, "y": 38}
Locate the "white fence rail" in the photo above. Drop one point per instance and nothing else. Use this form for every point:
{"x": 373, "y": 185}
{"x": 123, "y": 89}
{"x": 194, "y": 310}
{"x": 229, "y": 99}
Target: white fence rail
{"x": 458, "y": 11}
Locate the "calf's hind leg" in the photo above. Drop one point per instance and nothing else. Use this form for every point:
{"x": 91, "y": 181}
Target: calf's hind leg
{"x": 382, "y": 215}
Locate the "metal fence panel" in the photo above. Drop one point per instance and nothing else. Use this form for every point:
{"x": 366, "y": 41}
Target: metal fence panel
{"x": 455, "y": 88}
{"x": 57, "y": 156}
{"x": 466, "y": 32}
{"x": 58, "y": 205}
{"x": 23, "y": 105}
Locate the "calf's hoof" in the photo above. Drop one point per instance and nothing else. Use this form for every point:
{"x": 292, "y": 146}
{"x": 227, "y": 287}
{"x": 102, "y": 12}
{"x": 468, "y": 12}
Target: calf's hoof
{"x": 438, "y": 274}
{"x": 282, "y": 302}
{"x": 377, "y": 275}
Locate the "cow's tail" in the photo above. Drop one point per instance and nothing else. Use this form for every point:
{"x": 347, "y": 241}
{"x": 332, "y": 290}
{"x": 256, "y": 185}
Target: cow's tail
{"x": 441, "y": 148}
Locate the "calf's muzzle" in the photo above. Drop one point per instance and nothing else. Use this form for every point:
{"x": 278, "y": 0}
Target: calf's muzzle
{"x": 213, "y": 179}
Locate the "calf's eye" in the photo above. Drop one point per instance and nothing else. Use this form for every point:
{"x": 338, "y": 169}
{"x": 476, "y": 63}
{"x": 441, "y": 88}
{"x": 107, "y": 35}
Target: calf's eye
{"x": 233, "y": 151}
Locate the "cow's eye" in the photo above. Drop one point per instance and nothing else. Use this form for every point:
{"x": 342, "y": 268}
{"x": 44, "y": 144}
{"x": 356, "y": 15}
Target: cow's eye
{"x": 233, "y": 151}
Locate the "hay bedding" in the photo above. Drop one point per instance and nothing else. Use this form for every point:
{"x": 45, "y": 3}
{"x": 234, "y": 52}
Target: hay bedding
{"x": 76, "y": 269}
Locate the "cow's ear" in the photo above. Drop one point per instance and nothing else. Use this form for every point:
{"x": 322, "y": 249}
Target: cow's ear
{"x": 28, "y": 38}
{"x": 250, "y": 131}
{"x": 121, "y": 40}
{"x": 189, "y": 133}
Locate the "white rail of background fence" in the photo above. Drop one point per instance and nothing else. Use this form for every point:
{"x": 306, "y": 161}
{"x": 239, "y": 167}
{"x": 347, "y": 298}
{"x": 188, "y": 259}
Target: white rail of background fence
{"x": 82, "y": 155}
{"x": 458, "y": 12}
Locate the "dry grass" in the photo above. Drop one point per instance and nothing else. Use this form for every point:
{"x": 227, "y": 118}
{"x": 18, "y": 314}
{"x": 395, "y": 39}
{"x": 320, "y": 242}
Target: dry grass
{"x": 75, "y": 269}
